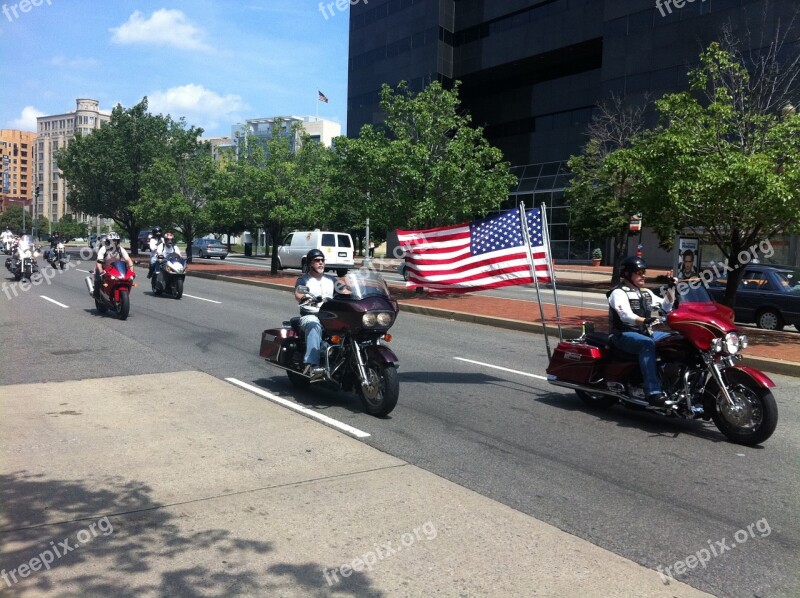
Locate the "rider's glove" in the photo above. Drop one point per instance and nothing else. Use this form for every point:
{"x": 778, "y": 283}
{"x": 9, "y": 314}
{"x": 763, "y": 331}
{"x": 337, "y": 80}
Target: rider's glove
{"x": 651, "y": 320}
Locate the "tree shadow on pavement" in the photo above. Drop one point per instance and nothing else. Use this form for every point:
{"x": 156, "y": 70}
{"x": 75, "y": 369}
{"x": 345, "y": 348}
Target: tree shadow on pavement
{"x": 122, "y": 543}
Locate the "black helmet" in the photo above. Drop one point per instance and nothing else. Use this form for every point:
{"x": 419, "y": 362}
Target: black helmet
{"x": 630, "y": 265}
{"x": 156, "y": 231}
{"x": 312, "y": 255}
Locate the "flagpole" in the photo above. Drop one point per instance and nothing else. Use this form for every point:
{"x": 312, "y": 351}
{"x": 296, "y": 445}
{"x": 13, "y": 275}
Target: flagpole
{"x": 527, "y": 239}
{"x": 546, "y": 234}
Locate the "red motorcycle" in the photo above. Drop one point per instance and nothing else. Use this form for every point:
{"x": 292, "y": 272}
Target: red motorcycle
{"x": 697, "y": 365}
{"x": 114, "y": 292}
{"x": 354, "y": 354}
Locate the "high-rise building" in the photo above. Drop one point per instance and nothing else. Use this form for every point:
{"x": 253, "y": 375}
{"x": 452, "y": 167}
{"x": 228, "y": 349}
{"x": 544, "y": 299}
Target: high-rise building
{"x": 16, "y": 154}
{"x": 54, "y": 133}
{"x": 534, "y": 71}
{"x": 318, "y": 129}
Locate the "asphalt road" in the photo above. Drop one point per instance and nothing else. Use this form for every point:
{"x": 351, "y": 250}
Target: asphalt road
{"x": 650, "y": 489}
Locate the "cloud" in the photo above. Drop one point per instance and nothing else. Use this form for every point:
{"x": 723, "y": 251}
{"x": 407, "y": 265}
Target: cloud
{"x": 201, "y": 106}
{"x": 27, "y": 119}
{"x": 163, "y": 28}
{"x": 75, "y": 63}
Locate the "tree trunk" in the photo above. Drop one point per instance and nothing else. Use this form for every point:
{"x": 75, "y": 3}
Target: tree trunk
{"x": 620, "y": 252}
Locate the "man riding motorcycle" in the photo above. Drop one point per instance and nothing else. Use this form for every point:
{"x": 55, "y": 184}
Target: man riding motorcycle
{"x": 629, "y": 320}
{"x": 6, "y": 237}
{"x": 155, "y": 241}
{"x": 110, "y": 252}
{"x": 308, "y": 288}
{"x": 167, "y": 246}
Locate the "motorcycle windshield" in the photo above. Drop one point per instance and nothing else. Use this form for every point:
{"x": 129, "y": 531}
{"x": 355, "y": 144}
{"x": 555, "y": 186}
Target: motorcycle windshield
{"x": 364, "y": 283}
{"x": 174, "y": 258}
{"x": 121, "y": 267}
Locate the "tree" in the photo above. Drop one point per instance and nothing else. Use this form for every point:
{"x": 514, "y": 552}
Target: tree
{"x": 105, "y": 170}
{"x": 178, "y": 185}
{"x": 67, "y": 227}
{"x": 12, "y": 218}
{"x": 601, "y": 195}
{"x": 724, "y": 161}
{"x": 428, "y": 166}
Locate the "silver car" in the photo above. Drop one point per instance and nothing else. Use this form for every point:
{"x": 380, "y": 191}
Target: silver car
{"x": 209, "y": 248}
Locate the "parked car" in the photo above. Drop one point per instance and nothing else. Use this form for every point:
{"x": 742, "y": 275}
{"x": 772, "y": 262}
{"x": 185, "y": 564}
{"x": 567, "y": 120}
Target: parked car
{"x": 337, "y": 247}
{"x": 767, "y": 295}
{"x": 144, "y": 240}
{"x": 96, "y": 242}
{"x": 209, "y": 248}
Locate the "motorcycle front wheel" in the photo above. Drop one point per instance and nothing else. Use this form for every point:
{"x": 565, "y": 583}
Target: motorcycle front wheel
{"x": 753, "y": 417}
{"x": 381, "y": 394}
{"x": 124, "y": 305}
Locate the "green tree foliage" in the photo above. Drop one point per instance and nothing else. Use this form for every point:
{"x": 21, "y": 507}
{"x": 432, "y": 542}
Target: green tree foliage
{"x": 12, "y": 218}
{"x": 427, "y": 167}
{"x": 179, "y": 184}
{"x": 67, "y": 227}
{"x": 724, "y": 162}
{"x": 105, "y": 170}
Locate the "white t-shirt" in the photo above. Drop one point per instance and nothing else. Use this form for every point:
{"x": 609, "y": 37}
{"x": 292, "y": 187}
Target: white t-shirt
{"x": 323, "y": 288}
{"x": 101, "y": 255}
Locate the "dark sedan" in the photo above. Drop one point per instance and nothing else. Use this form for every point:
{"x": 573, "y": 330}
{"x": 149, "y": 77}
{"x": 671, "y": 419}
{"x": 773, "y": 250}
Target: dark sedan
{"x": 209, "y": 248}
{"x": 768, "y": 296}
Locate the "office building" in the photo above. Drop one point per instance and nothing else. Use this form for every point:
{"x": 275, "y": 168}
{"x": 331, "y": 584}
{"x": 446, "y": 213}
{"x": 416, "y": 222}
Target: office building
{"x": 533, "y": 71}
{"x": 16, "y": 154}
{"x": 53, "y": 134}
{"x": 318, "y": 129}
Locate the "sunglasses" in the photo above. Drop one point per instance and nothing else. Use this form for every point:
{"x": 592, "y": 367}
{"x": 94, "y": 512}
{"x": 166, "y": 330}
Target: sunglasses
{"x": 641, "y": 272}
{"x": 318, "y": 259}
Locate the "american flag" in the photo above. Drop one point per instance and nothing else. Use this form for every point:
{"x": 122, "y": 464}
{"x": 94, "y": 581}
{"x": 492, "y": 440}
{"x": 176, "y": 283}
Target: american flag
{"x": 480, "y": 255}
{"x": 322, "y": 97}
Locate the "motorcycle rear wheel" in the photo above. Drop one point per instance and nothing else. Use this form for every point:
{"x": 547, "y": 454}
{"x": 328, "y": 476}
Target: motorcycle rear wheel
{"x": 381, "y": 396}
{"x": 124, "y": 305}
{"x": 596, "y": 401}
{"x": 298, "y": 380}
{"x": 752, "y": 420}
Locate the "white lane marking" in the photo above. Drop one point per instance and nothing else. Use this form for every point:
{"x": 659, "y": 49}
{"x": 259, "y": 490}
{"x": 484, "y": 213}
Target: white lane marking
{"x": 79, "y": 270}
{"x": 54, "y": 301}
{"x": 497, "y": 367}
{"x": 201, "y": 299}
{"x": 328, "y": 420}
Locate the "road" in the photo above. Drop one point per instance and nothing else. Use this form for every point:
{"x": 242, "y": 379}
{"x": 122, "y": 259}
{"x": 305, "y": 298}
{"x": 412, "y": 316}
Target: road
{"x": 475, "y": 409}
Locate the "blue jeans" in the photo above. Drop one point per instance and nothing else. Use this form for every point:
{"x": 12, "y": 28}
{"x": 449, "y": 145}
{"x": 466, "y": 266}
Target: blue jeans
{"x": 312, "y": 328}
{"x": 645, "y": 347}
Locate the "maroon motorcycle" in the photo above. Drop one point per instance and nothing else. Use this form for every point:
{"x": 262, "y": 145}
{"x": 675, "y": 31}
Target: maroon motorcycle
{"x": 353, "y": 352}
{"x": 697, "y": 365}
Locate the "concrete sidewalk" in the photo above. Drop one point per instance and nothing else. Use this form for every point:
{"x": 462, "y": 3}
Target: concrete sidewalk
{"x": 219, "y": 492}
{"x": 769, "y": 351}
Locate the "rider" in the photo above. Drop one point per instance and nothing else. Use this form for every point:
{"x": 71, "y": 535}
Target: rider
{"x": 110, "y": 252}
{"x": 167, "y": 246}
{"x": 155, "y": 241}
{"x": 629, "y": 317}
{"x": 6, "y": 235}
{"x": 55, "y": 239}
{"x": 308, "y": 287}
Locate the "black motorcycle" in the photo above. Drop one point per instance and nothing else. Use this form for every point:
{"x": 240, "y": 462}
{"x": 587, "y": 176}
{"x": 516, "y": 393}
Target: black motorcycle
{"x": 168, "y": 275}
{"x": 353, "y": 353}
{"x": 23, "y": 265}
{"x": 57, "y": 256}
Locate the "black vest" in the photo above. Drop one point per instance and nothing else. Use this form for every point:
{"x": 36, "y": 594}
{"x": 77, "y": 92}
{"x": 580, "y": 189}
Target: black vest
{"x": 640, "y": 305}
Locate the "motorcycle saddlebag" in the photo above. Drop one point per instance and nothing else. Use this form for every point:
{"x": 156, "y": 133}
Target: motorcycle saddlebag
{"x": 272, "y": 340}
{"x": 575, "y": 362}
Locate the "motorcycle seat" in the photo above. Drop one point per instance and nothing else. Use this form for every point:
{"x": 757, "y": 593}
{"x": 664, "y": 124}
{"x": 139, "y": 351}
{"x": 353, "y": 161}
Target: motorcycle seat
{"x": 620, "y": 355}
{"x": 295, "y": 324}
{"x": 597, "y": 339}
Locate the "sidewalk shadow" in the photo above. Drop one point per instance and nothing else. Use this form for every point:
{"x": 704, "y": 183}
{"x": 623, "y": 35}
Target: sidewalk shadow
{"x": 133, "y": 535}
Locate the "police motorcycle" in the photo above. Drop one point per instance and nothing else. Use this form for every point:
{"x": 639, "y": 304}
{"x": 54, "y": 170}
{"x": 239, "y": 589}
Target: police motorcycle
{"x": 23, "y": 264}
{"x": 353, "y": 350}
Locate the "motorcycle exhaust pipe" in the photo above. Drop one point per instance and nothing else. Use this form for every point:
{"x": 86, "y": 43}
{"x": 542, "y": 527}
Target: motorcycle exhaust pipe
{"x": 89, "y": 284}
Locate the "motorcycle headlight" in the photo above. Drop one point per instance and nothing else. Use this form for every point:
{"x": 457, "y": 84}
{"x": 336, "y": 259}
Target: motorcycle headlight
{"x": 743, "y": 342}
{"x": 716, "y": 345}
{"x": 385, "y": 319}
{"x": 732, "y": 343}
{"x": 369, "y": 320}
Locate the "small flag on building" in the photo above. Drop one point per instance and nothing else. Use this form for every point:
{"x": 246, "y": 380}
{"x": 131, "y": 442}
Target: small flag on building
{"x": 322, "y": 97}
{"x": 484, "y": 254}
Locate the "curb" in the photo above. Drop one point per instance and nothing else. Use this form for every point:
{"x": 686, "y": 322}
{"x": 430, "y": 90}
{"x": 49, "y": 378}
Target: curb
{"x": 765, "y": 364}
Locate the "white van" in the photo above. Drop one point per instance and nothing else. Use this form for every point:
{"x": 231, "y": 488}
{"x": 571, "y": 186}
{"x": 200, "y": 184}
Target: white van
{"x": 337, "y": 247}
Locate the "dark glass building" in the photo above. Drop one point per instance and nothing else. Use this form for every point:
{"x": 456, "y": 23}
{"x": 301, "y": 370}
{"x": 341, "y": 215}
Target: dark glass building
{"x": 532, "y": 71}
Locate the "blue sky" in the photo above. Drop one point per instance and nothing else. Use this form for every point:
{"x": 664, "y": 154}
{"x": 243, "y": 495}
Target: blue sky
{"x": 216, "y": 63}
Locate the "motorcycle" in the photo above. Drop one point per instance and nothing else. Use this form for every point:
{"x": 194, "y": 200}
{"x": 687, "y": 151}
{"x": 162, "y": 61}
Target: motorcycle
{"x": 114, "y": 292}
{"x": 57, "y": 257}
{"x": 697, "y": 365}
{"x": 24, "y": 264}
{"x": 168, "y": 275}
{"x": 353, "y": 350}
{"x": 7, "y": 244}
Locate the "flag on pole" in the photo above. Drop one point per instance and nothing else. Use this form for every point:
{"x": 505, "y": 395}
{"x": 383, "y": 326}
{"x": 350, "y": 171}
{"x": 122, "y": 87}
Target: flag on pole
{"x": 484, "y": 254}
{"x": 322, "y": 97}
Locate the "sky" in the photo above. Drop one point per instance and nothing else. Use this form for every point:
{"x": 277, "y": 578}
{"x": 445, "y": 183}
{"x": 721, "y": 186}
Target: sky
{"x": 214, "y": 63}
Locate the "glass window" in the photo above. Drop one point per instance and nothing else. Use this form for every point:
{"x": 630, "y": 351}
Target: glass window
{"x": 328, "y": 240}
{"x": 344, "y": 240}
